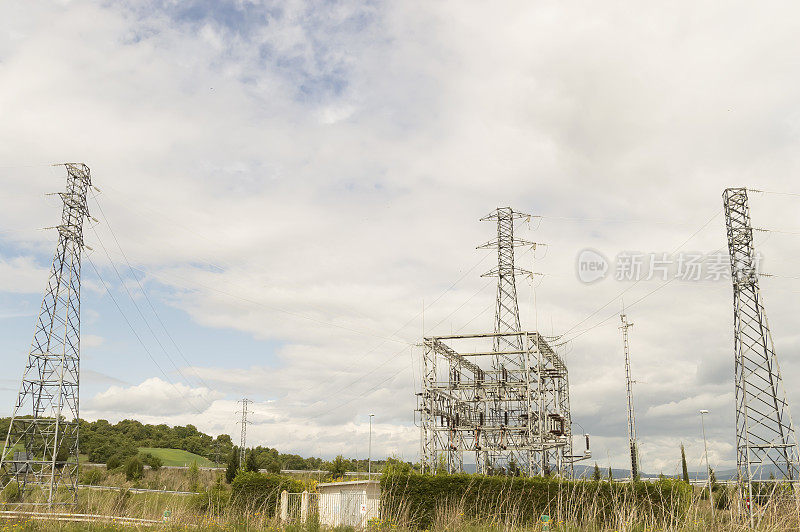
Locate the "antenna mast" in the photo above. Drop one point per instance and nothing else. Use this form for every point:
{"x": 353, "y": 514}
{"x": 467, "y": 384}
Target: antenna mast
{"x": 634, "y": 452}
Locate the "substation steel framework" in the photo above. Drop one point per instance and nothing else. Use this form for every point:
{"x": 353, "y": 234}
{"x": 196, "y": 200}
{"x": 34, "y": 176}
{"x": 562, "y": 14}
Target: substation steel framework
{"x": 765, "y": 434}
{"x": 41, "y": 446}
{"x": 506, "y": 397}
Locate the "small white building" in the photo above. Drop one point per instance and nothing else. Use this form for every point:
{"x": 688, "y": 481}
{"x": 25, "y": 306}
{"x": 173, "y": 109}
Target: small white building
{"x": 351, "y": 503}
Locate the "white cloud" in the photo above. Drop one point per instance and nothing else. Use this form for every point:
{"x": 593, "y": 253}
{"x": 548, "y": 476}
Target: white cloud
{"x": 22, "y": 275}
{"x": 152, "y": 397}
{"x": 332, "y": 164}
{"x": 91, "y": 340}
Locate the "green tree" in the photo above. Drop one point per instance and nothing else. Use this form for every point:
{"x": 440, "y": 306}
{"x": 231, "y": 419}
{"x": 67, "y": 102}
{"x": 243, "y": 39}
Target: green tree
{"x": 395, "y": 466}
{"x": 684, "y": 467}
{"x": 251, "y": 462}
{"x": 338, "y": 467}
{"x": 596, "y": 476}
{"x": 233, "y": 466}
{"x": 194, "y": 477}
{"x": 610, "y": 474}
{"x": 148, "y": 459}
{"x": 134, "y": 469}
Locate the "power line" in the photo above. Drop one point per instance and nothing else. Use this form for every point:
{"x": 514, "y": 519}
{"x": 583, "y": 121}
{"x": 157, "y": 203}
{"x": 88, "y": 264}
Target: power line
{"x": 222, "y": 269}
{"x": 138, "y": 338}
{"x": 624, "y": 291}
{"x": 139, "y": 310}
{"x": 143, "y": 291}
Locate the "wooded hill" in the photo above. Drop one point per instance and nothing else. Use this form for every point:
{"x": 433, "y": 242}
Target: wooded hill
{"x": 100, "y": 441}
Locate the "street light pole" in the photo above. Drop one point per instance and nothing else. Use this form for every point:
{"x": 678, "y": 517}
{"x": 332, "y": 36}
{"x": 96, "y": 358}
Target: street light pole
{"x": 708, "y": 467}
{"x": 369, "y": 459}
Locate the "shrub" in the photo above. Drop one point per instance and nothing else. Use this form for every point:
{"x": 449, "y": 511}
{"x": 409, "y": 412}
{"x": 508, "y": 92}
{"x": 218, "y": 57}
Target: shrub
{"x": 212, "y": 501}
{"x": 115, "y": 462}
{"x": 258, "y": 490}
{"x": 194, "y": 477}
{"x": 134, "y": 469}
{"x": 151, "y": 460}
{"x": 92, "y": 476}
{"x": 723, "y": 497}
{"x": 419, "y": 497}
{"x": 395, "y": 466}
{"x": 12, "y": 493}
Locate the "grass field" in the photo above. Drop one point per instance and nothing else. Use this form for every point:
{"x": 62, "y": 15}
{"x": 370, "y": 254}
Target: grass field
{"x": 176, "y": 457}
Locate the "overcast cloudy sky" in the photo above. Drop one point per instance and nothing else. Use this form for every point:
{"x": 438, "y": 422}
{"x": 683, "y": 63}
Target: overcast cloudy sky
{"x": 292, "y": 181}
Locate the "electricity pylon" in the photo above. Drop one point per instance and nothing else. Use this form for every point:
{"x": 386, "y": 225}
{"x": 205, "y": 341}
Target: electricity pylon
{"x": 634, "y": 451}
{"x": 243, "y": 437}
{"x": 764, "y": 431}
{"x": 506, "y": 318}
{"x": 41, "y": 447}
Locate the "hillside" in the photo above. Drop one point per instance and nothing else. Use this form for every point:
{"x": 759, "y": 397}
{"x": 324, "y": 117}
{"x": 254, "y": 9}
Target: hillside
{"x": 177, "y": 457}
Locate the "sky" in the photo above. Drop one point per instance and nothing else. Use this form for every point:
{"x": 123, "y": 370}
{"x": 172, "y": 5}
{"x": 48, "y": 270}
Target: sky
{"x": 289, "y": 194}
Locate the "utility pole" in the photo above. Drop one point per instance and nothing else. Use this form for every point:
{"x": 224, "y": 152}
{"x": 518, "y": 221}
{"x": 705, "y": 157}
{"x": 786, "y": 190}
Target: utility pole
{"x": 243, "y": 439}
{"x": 41, "y": 447}
{"x": 764, "y": 430}
{"x": 708, "y": 467}
{"x": 629, "y": 386}
{"x": 369, "y": 459}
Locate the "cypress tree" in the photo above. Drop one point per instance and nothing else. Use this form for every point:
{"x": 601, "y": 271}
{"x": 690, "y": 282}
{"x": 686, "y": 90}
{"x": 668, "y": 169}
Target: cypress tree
{"x": 233, "y": 466}
{"x": 684, "y": 467}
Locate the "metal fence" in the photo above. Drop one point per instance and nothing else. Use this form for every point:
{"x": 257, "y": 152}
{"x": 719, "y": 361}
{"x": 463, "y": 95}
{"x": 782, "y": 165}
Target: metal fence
{"x": 298, "y": 507}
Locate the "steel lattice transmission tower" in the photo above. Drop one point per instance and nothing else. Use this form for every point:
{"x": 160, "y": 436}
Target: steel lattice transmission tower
{"x": 41, "y": 447}
{"x": 764, "y": 431}
{"x": 243, "y": 436}
{"x": 506, "y": 318}
{"x": 634, "y": 451}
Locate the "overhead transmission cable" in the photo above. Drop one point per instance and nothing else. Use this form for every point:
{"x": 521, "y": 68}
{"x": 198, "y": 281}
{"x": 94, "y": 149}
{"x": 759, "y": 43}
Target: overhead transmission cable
{"x": 717, "y": 212}
{"x": 390, "y": 377}
{"x": 141, "y": 314}
{"x": 223, "y": 269}
{"x": 144, "y": 293}
{"x": 138, "y": 338}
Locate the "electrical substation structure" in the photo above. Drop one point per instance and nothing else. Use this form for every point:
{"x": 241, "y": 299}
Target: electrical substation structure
{"x": 632, "y": 445}
{"x": 765, "y": 437}
{"x": 503, "y": 396}
{"x": 41, "y": 446}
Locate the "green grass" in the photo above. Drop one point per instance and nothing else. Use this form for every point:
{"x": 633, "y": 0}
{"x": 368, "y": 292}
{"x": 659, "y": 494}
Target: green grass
{"x": 176, "y": 457}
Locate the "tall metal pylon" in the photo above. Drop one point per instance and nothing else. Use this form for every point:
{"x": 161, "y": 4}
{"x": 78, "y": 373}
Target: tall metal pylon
{"x": 764, "y": 431}
{"x": 243, "y": 438}
{"x": 506, "y": 320}
{"x": 41, "y": 447}
{"x": 632, "y": 445}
